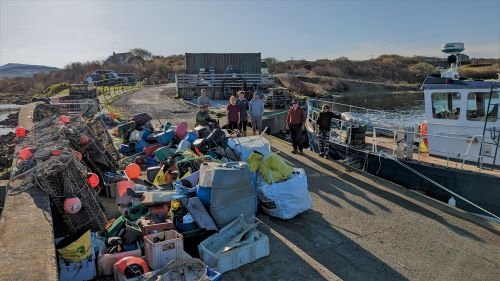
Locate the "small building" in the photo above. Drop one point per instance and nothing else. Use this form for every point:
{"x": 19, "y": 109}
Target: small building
{"x": 119, "y": 58}
{"x": 222, "y": 74}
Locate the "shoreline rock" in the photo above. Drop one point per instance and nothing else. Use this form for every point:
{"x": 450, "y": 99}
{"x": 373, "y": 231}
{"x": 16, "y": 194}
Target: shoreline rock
{"x": 7, "y": 145}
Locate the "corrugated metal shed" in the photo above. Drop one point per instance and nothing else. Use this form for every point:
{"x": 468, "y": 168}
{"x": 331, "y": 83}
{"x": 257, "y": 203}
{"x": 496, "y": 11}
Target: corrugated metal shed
{"x": 245, "y": 62}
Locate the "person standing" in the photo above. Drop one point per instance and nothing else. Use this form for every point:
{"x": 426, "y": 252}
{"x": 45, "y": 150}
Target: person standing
{"x": 295, "y": 120}
{"x": 233, "y": 114}
{"x": 323, "y": 125}
{"x": 242, "y": 102}
{"x": 203, "y": 99}
{"x": 256, "y": 108}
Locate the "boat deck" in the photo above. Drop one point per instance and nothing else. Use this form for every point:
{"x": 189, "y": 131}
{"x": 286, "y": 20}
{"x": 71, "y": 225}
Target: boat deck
{"x": 387, "y": 143}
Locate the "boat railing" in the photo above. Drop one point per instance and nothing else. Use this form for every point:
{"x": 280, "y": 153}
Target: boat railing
{"x": 394, "y": 136}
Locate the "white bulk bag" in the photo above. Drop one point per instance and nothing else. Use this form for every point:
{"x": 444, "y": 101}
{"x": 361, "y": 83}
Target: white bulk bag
{"x": 288, "y": 198}
{"x": 246, "y": 145}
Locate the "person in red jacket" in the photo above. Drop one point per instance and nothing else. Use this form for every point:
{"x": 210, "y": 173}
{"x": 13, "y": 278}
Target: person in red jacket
{"x": 295, "y": 124}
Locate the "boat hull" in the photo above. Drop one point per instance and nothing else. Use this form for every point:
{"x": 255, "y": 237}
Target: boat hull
{"x": 481, "y": 189}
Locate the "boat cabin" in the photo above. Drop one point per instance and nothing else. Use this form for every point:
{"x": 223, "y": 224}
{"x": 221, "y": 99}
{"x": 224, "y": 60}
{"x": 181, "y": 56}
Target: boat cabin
{"x": 463, "y": 119}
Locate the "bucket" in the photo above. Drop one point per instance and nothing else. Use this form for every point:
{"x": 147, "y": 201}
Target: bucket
{"x": 204, "y": 194}
{"x": 162, "y": 153}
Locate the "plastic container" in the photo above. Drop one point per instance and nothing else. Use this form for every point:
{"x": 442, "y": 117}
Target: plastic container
{"x": 213, "y": 275}
{"x": 205, "y": 194}
{"x": 105, "y": 261}
{"x": 135, "y": 136}
{"x": 183, "y": 146}
{"x": 166, "y": 137}
{"x": 141, "y": 118}
{"x": 163, "y": 153}
{"x": 78, "y": 271}
{"x": 250, "y": 247}
{"x": 150, "y": 149}
{"x": 207, "y": 173}
{"x": 160, "y": 253}
{"x": 139, "y": 147}
{"x": 124, "y": 149}
{"x": 181, "y": 130}
{"x": 193, "y": 179}
{"x": 121, "y": 191}
{"x": 191, "y": 136}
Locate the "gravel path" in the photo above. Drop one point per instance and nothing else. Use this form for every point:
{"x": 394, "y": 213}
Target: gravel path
{"x": 159, "y": 102}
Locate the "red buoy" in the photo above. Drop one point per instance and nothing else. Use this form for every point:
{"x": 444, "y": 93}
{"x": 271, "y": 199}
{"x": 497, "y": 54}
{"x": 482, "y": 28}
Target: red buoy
{"x": 25, "y": 153}
{"x": 93, "y": 180}
{"x": 20, "y": 131}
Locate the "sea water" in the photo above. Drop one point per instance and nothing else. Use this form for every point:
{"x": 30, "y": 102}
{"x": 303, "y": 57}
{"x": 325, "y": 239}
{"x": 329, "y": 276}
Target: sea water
{"x": 5, "y": 110}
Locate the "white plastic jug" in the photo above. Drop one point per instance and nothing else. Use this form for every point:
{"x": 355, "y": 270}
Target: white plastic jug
{"x": 207, "y": 173}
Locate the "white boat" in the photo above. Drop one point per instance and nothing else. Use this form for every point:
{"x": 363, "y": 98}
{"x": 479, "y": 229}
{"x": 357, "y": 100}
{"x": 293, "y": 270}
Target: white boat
{"x": 454, "y": 153}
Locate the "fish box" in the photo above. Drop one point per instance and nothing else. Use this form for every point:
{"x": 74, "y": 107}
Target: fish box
{"x": 163, "y": 247}
{"x": 78, "y": 271}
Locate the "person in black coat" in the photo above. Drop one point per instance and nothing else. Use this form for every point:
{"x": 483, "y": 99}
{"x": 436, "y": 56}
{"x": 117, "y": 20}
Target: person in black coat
{"x": 324, "y": 123}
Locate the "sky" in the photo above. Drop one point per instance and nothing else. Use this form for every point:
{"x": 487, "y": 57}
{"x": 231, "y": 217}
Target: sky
{"x": 56, "y": 33}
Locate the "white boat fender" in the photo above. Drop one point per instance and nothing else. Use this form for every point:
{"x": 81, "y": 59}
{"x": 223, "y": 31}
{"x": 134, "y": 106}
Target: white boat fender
{"x": 452, "y": 202}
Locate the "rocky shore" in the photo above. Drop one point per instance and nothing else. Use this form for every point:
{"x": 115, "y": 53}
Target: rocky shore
{"x": 7, "y": 144}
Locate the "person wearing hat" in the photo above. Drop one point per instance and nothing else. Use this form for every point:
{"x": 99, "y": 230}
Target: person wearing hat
{"x": 295, "y": 120}
{"x": 202, "y": 116}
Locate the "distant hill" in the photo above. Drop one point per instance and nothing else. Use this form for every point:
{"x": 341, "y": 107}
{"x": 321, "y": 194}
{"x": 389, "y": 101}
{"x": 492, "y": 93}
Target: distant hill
{"x": 23, "y": 70}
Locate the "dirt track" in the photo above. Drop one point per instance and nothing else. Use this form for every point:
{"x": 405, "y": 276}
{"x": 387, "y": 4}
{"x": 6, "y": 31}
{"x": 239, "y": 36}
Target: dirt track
{"x": 160, "y": 102}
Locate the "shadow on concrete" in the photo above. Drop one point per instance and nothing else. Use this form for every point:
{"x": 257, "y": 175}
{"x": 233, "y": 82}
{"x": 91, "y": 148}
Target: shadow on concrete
{"x": 331, "y": 249}
{"x": 400, "y": 200}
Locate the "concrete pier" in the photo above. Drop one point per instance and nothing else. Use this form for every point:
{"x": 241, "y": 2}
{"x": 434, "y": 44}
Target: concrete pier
{"x": 365, "y": 228}
{"x": 359, "y": 228}
{"x": 26, "y": 235}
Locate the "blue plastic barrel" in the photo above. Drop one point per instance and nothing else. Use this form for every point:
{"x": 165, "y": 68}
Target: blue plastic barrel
{"x": 139, "y": 147}
{"x": 166, "y": 137}
{"x": 204, "y": 193}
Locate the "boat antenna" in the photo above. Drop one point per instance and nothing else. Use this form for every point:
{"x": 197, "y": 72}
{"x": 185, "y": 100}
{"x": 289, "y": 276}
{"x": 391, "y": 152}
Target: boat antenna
{"x": 454, "y": 51}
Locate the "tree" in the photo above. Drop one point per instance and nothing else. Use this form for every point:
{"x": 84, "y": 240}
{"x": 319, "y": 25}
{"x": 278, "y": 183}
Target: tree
{"x": 421, "y": 69}
{"x": 144, "y": 54}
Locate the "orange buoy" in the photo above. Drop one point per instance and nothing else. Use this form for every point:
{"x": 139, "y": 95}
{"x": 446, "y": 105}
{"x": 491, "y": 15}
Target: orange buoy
{"x": 56, "y": 152}
{"x": 20, "y": 131}
{"x": 64, "y": 119}
{"x": 133, "y": 171}
{"x": 93, "y": 180}
{"x": 423, "y": 131}
{"x": 25, "y": 153}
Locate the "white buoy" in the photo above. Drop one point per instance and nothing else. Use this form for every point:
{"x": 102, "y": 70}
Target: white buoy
{"x": 452, "y": 202}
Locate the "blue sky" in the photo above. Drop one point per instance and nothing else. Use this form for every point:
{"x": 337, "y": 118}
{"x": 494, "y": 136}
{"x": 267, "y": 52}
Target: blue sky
{"x": 56, "y": 33}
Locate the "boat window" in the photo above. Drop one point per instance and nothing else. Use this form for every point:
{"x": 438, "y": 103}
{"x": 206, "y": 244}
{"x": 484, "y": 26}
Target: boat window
{"x": 446, "y": 105}
{"x": 477, "y": 106}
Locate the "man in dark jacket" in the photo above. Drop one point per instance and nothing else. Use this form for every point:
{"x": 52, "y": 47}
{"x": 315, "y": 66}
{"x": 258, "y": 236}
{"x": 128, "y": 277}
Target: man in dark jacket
{"x": 295, "y": 124}
{"x": 324, "y": 123}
